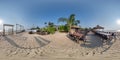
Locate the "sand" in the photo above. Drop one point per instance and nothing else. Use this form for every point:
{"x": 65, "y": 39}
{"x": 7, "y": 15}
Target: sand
{"x": 56, "y": 46}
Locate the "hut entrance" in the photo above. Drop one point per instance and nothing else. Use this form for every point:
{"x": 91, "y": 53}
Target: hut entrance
{"x": 8, "y": 29}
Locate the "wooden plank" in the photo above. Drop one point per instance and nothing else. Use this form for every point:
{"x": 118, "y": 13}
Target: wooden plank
{"x": 7, "y": 25}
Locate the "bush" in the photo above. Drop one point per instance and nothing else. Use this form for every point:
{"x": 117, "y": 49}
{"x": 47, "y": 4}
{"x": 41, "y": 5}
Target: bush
{"x": 31, "y": 32}
{"x": 63, "y": 28}
{"x": 48, "y": 30}
{"x": 51, "y": 30}
{"x": 39, "y": 30}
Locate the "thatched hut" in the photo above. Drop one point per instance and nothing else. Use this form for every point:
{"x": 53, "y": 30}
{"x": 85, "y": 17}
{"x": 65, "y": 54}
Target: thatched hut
{"x": 98, "y": 28}
{"x": 73, "y": 29}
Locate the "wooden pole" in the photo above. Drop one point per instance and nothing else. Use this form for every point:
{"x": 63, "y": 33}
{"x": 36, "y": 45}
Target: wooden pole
{"x": 16, "y": 28}
{"x": 12, "y": 30}
{"x": 3, "y": 30}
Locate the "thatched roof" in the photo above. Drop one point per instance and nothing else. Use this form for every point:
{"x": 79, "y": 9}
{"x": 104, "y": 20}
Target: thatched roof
{"x": 98, "y": 27}
{"x": 75, "y": 27}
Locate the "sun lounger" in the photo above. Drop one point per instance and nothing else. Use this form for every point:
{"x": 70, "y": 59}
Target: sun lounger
{"x": 105, "y": 36}
{"x": 77, "y": 36}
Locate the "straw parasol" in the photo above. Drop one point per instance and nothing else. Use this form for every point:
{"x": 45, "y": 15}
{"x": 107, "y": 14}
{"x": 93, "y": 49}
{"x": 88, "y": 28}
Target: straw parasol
{"x": 75, "y": 27}
{"x": 98, "y": 27}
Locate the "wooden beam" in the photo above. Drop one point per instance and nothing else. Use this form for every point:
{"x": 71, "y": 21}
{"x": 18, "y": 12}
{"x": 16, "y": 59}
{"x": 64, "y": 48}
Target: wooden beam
{"x": 7, "y": 25}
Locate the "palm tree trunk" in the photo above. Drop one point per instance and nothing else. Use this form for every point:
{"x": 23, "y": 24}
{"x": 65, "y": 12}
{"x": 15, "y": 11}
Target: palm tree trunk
{"x": 70, "y": 27}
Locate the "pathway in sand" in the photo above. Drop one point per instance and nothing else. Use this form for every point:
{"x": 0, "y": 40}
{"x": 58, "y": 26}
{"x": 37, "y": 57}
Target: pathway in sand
{"x": 22, "y": 45}
{"x": 93, "y": 41}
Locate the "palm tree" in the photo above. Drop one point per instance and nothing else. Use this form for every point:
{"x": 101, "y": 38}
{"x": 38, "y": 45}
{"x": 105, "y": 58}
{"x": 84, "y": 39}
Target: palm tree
{"x": 45, "y": 23}
{"x": 69, "y": 21}
{"x": 37, "y": 27}
{"x": 51, "y": 24}
{"x": 76, "y": 22}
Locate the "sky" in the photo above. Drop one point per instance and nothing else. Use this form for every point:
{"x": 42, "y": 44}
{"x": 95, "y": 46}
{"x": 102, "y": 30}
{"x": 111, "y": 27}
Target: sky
{"x": 90, "y": 12}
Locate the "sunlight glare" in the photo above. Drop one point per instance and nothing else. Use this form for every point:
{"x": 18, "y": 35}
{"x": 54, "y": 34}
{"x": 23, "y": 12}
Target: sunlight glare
{"x": 118, "y": 21}
{"x": 1, "y": 21}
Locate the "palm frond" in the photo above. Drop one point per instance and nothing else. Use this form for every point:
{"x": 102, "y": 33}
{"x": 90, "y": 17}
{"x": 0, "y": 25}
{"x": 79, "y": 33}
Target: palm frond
{"x": 62, "y": 19}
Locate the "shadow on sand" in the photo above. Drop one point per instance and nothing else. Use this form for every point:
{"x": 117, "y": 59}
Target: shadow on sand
{"x": 41, "y": 41}
{"x": 41, "y": 44}
{"x": 93, "y": 41}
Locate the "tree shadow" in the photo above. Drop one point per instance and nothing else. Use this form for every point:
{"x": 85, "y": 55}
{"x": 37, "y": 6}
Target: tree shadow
{"x": 71, "y": 38}
{"x": 96, "y": 41}
{"x": 11, "y": 42}
{"x": 110, "y": 44}
{"x": 44, "y": 39}
{"x": 92, "y": 42}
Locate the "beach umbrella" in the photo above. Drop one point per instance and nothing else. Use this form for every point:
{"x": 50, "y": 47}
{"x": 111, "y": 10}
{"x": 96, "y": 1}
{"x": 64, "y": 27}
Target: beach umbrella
{"x": 75, "y": 27}
{"x": 98, "y": 27}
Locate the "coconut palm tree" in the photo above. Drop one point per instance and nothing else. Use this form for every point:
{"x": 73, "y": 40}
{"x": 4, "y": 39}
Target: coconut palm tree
{"x": 76, "y": 22}
{"x": 45, "y": 23}
{"x": 51, "y": 24}
{"x": 69, "y": 21}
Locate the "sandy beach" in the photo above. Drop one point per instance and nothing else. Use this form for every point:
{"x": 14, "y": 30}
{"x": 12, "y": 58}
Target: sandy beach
{"x": 59, "y": 29}
{"x": 56, "y": 46}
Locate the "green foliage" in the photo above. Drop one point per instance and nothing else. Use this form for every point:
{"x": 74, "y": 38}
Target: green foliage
{"x": 69, "y": 21}
{"x": 31, "y": 32}
{"x": 44, "y": 29}
{"x": 76, "y": 22}
{"x": 51, "y": 24}
{"x": 51, "y": 30}
{"x": 85, "y": 29}
{"x": 63, "y": 28}
{"x": 35, "y": 28}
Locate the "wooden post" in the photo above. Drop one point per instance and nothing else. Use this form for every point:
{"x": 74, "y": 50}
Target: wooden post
{"x": 3, "y": 30}
{"x": 20, "y": 28}
{"x": 16, "y": 28}
{"x": 12, "y": 30}
{"x": 4, "y": 25}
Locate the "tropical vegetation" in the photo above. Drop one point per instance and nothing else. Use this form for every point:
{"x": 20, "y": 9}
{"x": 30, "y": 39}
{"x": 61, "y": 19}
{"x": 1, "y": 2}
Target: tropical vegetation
{"x": 63, "y": 28}
{"x": 69, "y": 21}
{"x": 50, "y": 28}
